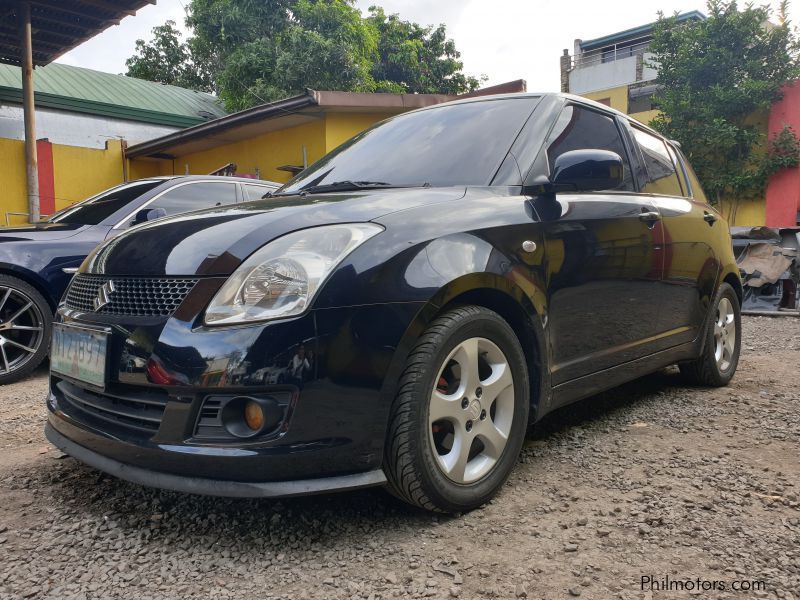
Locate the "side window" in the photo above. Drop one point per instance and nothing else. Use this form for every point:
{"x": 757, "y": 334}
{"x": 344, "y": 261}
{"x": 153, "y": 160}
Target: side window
{"x": 579, "y": 128}
{"x": 195, "y": 196}
{"x": 255, "y": 192}
{"x": 661, "y": 175}
{"x": 680, "y": 170}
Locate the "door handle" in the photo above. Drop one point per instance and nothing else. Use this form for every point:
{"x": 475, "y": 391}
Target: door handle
{"x": 650, "y": 217}
{"x": 709, "y": 218}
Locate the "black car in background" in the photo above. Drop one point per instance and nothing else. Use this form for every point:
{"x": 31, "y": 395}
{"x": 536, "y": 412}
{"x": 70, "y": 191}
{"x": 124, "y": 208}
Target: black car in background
{"x": 37, "y": 261}
{"x": 427, "y": 290}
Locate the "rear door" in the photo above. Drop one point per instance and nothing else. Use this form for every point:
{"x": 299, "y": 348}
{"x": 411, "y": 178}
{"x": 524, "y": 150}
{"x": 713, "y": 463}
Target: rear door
{"x": 690, "y": 265}
{"x": 603, "y": 264}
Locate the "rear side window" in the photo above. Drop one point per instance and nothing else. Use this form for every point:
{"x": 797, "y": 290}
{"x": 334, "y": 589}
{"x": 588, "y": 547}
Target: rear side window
{"x": 196, "y": 196}
{"x": 255, "y": 192}
{"x": 680, "y": 170}
{"x": 697, "y": 189}
{"x": 659, "y": 168}
{"x": 580, "y": 128}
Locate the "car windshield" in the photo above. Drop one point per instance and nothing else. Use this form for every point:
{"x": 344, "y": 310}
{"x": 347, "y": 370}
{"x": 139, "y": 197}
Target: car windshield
{"x": 457, "y": 144}
{"x": 98, "y": 208}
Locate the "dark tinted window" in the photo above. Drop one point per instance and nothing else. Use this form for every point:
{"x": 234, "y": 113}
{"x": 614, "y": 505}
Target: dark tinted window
{"x": 196, "y": 196}
{"x": 255, "y": 192}
{"x": 97, "y": 209}
{"x": 661, "y": 175}
{"x": 458, "y": 144}
{"x": 579, "y": 128}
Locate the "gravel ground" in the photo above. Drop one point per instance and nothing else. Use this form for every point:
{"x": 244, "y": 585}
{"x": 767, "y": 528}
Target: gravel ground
{"x": 650, "y": 479}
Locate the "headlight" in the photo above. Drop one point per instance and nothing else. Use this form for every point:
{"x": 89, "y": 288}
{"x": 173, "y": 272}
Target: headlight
{"x": 282, "y": 278}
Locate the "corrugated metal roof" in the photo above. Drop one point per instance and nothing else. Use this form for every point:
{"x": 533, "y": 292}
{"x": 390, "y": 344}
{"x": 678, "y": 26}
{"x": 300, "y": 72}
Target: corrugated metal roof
{"x": 94, "y": 92}
{"x": 59, "y": 25}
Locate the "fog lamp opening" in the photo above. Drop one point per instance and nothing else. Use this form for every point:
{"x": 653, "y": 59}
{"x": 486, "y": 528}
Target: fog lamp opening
{"x": 249, "y": 416}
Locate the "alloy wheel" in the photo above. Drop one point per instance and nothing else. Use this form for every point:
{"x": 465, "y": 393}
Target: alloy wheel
{"x": 21, "y": 329}
{"x": 724, "y": 334}
{"x": 471, "y": 410}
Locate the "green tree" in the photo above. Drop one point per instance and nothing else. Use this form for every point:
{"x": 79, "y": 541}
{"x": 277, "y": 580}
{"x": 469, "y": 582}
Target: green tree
{"x": 257, "y": 51}
{"x": 415, "y": 59}
{"x": 716, "y": 78}
{"x": 168, "y": 60}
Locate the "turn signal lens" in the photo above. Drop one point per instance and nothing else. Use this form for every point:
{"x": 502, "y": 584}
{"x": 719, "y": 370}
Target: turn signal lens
{"x": 253, "y": 415}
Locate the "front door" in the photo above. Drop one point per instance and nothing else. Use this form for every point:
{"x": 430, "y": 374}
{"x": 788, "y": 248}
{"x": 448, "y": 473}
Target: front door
{"x": 604, "y": 260}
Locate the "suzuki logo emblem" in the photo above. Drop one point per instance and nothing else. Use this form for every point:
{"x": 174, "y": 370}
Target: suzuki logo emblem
{"x": 104, "y": 295}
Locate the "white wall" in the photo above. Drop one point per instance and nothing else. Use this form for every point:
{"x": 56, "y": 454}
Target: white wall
{"x": 76, "y": 129}
{"x": 602, "y": 76}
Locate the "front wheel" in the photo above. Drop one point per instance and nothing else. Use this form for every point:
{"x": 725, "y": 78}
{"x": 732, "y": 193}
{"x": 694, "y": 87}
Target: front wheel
{"x": 459, "y": 420}
{"x": 717, "y": 364}
{"x": 25, "y": 321}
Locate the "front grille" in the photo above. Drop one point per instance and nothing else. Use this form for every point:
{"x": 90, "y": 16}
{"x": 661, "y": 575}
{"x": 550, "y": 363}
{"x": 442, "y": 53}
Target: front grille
{"x": 139, "y": 411}
{"x": 138, "y": 296}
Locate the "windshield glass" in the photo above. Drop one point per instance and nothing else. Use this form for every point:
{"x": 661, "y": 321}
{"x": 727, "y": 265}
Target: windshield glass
{"x": 98, "y": 208}
{"x": 456, "y": 144}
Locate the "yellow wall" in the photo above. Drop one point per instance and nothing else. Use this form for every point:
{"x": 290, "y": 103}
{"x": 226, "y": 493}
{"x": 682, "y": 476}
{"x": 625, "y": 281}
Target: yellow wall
{"x": 340, "y": 127}
{"x": 13, "y": 179}
{"x": 77, "y": 173}
{"x": 618, "y": 98}
{"x": 82, "y": 172}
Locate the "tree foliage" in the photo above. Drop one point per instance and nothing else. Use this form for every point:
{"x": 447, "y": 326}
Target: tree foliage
{"x": 168, "y": 60}
{"x": 717, "y": 79}
{"x": 258, "y": 51}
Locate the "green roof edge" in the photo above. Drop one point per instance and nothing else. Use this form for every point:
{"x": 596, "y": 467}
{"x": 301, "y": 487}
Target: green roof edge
{"x": 92, "y": 107}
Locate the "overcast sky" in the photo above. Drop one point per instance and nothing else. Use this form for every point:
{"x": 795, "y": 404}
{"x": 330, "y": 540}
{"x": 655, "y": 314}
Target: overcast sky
{"x": 502, "y": 39}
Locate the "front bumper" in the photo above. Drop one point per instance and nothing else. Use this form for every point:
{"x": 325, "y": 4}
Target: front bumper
{"x": 212, "y": 487}
{"x": 331, "y": 436}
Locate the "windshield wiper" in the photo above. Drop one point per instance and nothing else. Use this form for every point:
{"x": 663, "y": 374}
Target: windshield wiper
{"x": 348, "y": 185}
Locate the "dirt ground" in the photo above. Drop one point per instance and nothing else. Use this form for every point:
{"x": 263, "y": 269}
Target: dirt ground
{"x": 691, "y": 486}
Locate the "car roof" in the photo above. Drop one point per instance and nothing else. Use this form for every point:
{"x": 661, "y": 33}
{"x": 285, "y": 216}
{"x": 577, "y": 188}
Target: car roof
{"x": 249, "y": 180}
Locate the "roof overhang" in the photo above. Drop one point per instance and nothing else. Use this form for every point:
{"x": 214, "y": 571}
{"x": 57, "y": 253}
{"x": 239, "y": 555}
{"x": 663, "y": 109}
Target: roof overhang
{"x": 58, "y": 26}
{"x": 635, "y": 32}
{"x": 290, "y": 112}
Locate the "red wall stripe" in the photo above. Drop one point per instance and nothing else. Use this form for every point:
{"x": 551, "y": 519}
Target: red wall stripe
{"x": 47, "y": 184}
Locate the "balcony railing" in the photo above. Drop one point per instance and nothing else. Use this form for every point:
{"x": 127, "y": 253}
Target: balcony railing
{"x": 610, "y": 53}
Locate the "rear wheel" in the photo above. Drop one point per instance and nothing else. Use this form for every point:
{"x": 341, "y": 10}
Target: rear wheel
{"x": 717, "y": 364}
{"x": 25, "y": 322}
{"x": 459, "y": 420}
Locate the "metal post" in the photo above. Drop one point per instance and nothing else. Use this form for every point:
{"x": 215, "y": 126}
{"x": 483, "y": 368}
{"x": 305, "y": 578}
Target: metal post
{"x": 29, "y": 110}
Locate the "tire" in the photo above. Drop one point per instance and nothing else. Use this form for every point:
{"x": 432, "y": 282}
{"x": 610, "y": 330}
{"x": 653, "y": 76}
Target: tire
{"x": 717, "y": 364}
{"x": 458, "y": 462}
{"x": 25, "y": 324}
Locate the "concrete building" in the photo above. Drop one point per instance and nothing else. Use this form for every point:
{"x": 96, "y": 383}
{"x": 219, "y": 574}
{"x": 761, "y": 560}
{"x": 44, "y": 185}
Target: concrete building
{"x": 617, "y": 70}
{"x": 84, "y": 120}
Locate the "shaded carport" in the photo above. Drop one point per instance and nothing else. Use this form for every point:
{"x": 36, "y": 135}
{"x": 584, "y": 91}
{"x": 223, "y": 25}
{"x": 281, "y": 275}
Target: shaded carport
{"x": 35, "y": 33}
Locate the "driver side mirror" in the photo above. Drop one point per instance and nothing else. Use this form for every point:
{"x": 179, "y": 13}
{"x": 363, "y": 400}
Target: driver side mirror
{"x": 582, "y": 171}
{"x": 148, "y": 214}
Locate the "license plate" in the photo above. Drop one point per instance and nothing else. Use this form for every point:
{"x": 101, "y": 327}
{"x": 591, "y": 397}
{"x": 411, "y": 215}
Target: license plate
{"x": 79, "y": 353}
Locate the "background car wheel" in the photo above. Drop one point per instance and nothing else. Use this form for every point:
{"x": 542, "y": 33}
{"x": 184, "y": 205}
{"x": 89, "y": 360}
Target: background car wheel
{"x": 460, "y": 416}
{"x": 25, "y": 322}
{"x": 717, "y": 364}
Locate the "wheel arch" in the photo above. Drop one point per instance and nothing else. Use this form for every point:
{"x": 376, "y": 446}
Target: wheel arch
{"x": 500, "y": 295}
{"x": 31, "y": 279}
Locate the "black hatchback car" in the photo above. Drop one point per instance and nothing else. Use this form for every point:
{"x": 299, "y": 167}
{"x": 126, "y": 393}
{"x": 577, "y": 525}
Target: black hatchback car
{"x": 37, "y": 261}
{"x": 417, "y": 298}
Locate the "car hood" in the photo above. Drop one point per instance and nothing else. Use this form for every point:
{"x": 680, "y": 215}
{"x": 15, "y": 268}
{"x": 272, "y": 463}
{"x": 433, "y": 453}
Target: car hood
{"x": 40, "y": 232}
{"x": 214, "y": 242}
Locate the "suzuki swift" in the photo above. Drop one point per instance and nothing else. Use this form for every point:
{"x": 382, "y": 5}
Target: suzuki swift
{"x": 400, "y": 312}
